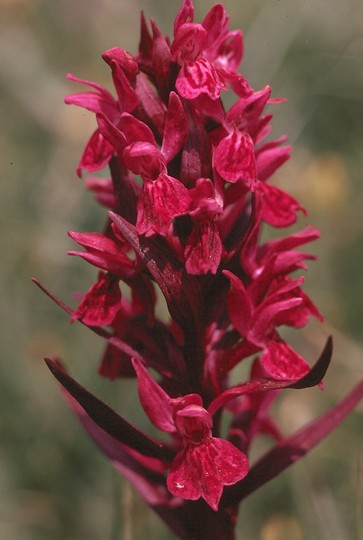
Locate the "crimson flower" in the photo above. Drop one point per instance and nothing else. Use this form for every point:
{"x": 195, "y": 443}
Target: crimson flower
{"x": 188, "y": 195}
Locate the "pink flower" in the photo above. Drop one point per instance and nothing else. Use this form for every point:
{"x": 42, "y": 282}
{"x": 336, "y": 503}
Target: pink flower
{"x": 205, "y": 463}
{"x": 207, "y": 53}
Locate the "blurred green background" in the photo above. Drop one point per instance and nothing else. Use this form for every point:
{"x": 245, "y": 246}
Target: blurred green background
{"x": 54, "y": 484}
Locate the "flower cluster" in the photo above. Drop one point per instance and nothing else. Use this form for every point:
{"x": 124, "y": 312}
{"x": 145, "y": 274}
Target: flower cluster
{"x": 188, "y": 196}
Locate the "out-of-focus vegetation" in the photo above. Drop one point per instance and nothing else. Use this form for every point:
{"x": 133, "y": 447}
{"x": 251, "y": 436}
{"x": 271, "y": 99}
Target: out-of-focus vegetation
{"x": 54, "y": 485}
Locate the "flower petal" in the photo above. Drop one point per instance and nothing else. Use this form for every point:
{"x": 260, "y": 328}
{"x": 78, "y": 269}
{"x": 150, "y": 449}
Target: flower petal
{"x": 160, "y": 201}
{"x": 235, "y": 159}
{"x": 145, "y": 159}
{"x": 189, "y": 41}
{"x": 239, "y": 304}
{"x": 176, "y": 128}
{"x": 101, "y": 303}
{"x": 203, "y": 470}
{"x": 103, "y": 252}
{"x": 127, "y": 96}
{"x": 199, "y": 77}
{"x": 96, "y": 155}
{"x": 279, "y": 209}
{"x": 184, "y": 15}
{"x": 229, "y": 53}
{"x": 154, "y": 400}
{"x": 203, "y": 250}
{"x": 282, "y": 362}
{"x": 100, "y": 101}
{"x": 270, "y": 157}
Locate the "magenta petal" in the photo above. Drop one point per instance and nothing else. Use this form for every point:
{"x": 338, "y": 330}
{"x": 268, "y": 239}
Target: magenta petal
{"x": 282, "y": 362}
{"x": 100, "y": 101}
{"x": 203, "y": 470}
{"x": 279, "y": 209}
{"x": 189, "y": 41}
{"x": 124, "y": 59}
{"x": 161, "y": 61}
{"x": 270, "y": 315}
{"x": 146, "y": 41}
{"x": 96, "y": 155}
{"x": 111, "y": 133}
{"x": 199, "y": 77}
{"x": 103, "y": 252}
{"x": 160, "y": 201}
{"x": 150, "y": 103}
{"x": 239, "y": 304}
{"x": 270, "y": 157}
{"x": 136, "y": 131}
{"x": 106, "y": 418}
{"x": 246, "y": 112}
{"x": 290, "y": 242}
{"x": 176, "y": 128}
{"x": 204, "y": 247}
{"x": 155, "y": 401}
{"x": 184, "y": 15}
{"x": 127, "y": 97}
{"x": 216, "y": 23}
{"x": 101, "y": 303}
{"x": 145, "y": 159}
{"x": 235, "y": 158}
{"x": 229, "y": 53}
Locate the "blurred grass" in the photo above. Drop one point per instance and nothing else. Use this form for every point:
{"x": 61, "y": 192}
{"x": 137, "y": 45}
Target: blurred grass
{"x": 53, "y": 483}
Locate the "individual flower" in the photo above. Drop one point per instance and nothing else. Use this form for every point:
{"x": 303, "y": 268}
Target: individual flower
{"x": 208, "y": 53}
{"x": 205, "y": 464}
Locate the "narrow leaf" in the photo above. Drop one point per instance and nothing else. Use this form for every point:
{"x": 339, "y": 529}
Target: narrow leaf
{"x": 314, "y": 377}
{"x": 293, "y": 448}
{"x": 107, "y": 419}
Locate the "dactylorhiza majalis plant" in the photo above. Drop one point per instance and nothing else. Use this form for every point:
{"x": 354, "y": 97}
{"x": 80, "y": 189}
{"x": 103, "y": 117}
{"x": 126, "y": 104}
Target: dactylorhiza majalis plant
{"x": 187, "y": 198}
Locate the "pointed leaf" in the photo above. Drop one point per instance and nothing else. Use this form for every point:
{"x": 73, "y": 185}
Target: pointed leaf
{"x": 107, "y": 419}
{"x": 313, "y": 378}
{"x": 143, "y": 472}
{"x": 294, "y": 447}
